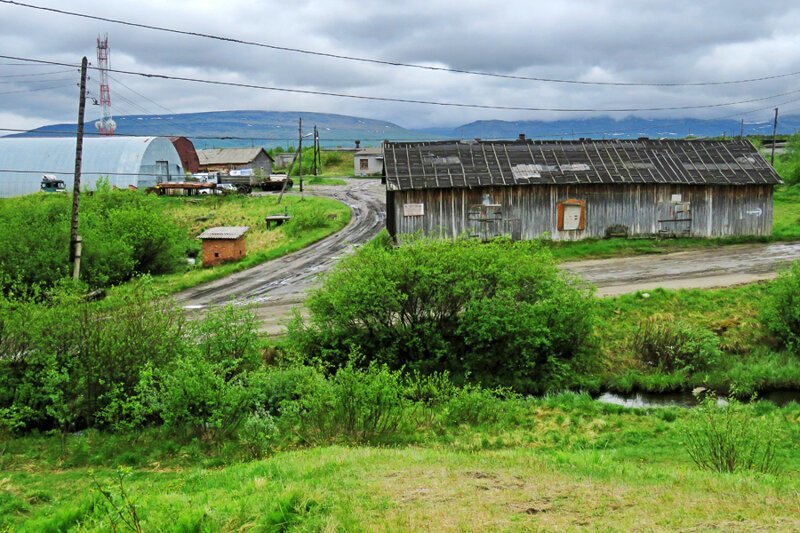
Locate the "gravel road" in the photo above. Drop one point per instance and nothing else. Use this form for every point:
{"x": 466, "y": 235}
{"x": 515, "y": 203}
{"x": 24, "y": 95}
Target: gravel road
{"x": 274, "y": 288}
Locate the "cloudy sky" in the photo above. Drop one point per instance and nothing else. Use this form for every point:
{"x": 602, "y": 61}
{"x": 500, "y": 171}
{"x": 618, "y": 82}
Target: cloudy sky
{"x": 673, "y": 41}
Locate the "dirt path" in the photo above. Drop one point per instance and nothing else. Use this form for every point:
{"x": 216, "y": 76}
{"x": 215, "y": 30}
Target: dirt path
{"x": 273, "y": 288}
{"x": 704, "y": 268}
{"x": 276, "y": 287}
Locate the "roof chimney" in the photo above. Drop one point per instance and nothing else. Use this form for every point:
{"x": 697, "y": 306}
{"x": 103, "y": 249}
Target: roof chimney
{"x": 358, "y": 144}
{"x": 521, "y": 137}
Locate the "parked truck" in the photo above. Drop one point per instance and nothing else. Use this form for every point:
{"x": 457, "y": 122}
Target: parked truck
{"x": 51, "y": 183}
{"x": 246, "y": 180}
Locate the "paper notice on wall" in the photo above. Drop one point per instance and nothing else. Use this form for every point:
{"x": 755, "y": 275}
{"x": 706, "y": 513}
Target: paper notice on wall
{"x": 413, "y": 210}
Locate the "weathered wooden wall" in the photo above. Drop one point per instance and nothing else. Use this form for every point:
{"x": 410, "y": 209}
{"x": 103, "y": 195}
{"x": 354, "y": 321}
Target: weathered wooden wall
{"x": 530, "y": 211}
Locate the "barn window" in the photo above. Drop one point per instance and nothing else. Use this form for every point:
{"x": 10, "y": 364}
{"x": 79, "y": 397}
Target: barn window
{"x": 571, "y": 215}
{"x": 363, "y": 164}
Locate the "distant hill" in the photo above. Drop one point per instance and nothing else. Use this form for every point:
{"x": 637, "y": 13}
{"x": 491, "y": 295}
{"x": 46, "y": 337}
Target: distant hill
{"x": 272, "y": 128}
{"x": 251, "y": 128}
{"x": 605, "y": 127}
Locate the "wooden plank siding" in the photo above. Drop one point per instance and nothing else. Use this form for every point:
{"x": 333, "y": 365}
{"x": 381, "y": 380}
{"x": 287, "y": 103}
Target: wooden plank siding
{"x": 530, "y": 212}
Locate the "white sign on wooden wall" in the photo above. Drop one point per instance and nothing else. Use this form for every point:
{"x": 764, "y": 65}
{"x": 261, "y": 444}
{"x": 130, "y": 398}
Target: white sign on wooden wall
{"x": 413, "y": 210}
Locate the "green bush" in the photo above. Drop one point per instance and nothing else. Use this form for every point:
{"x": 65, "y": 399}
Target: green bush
{"x": 788, "y": 163}
{"x": 668, "y": 344}
{"x": 354, "y": 406}
{"x": 501, "y": 312}
{"x": 75, "y": 363}
{"x": 306, "y": 220}
{"x": 731, "y": 437}
{"x": 259, "y": 434}
{"x": 780, "y": 311}
{"x": 124, "y": 233}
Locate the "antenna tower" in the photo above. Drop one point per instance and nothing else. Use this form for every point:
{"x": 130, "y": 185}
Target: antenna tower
{"x": 106, "y": 124}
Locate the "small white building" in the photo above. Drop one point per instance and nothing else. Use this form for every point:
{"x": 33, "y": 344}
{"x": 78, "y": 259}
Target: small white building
{"x": 368, "y": 162}
{"x": 125, "y": 161}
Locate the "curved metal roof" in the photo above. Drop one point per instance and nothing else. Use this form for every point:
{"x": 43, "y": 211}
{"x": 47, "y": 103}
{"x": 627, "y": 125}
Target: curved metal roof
{"x": 125, "y": 161}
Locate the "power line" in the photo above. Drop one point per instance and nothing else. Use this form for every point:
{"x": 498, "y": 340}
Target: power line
{"x": 143, "y": 96}
{"x": 21, "y": 82}
{"x": 37, "y": 89}
{"x": 393, "y": 63}
{"x": 411, "y": 101}
{"x": 35, "y": 74}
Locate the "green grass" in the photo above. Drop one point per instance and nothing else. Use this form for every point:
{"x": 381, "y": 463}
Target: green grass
{"x": 749, "y": 364}
{"x": 335, "y": 164}
{"x": 552, "y": 464}
{"x": 198, "y": 214}
{"x": 785, "y": 227}
{"x": 318, "y": 180}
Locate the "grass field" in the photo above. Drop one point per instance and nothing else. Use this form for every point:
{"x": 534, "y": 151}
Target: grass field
{"x": 749, "y": 362}
{"x": 198, "y": 214}
{"x": 562, "y": 463}
{"x": 335, "y": 164}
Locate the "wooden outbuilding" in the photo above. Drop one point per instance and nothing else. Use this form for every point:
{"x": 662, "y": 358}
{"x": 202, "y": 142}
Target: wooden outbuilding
{"x": 227, "y": 159}
{"x": 571, "y": 190}
{"x": 223, "y": 244}
{"x": 368, "y": 162}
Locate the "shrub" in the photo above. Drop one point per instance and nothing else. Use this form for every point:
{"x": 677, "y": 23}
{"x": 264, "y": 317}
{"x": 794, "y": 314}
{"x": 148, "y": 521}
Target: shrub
{"x": 474, "y": 405}
{"x": 780, "y": 312}
{"x": 501, "y": 312}
{"x": 305, "y": 220}
{"x": 259, "y": 433}
{"x": 668, "y": 344}
{"x": 124, "y": 233}
{"x": 355, "y": 406}
{"x": 731, "y": 437}
{"x": 76, "y": 363}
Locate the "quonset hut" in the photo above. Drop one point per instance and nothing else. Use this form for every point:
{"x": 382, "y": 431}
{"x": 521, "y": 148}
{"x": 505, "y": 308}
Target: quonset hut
{"x": 125, "y": 161}
{"x": 571, "y": 190}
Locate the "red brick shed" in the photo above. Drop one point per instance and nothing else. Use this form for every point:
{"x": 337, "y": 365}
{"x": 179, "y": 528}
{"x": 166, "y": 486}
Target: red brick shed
{"x": 223, "y": 243}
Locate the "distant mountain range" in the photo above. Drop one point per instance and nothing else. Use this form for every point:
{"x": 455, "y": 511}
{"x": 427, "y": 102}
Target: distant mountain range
{"x": 608, "y": 128}
{"x": 249, "y": 128}
{"x": 272, "y": 128}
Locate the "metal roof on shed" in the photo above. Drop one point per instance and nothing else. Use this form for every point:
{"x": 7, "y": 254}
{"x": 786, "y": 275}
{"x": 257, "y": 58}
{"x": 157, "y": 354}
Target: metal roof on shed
{"x": 224, "y": 232}
{"x": 464, "y": 164}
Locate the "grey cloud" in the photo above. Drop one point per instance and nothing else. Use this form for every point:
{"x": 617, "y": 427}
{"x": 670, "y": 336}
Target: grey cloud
{"x": 679, "y": 40}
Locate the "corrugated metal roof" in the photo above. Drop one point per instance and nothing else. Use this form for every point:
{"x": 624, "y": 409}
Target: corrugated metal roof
{"x": 370, "y": 151}
{"x": 459, "y": 164}
{"x": 224, "y": 232}
{"x": 125, "y": 161}
{"x": 229, "y": 156}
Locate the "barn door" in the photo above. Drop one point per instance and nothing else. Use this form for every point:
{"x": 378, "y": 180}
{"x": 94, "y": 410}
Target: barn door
{"x": 675, "y": 217}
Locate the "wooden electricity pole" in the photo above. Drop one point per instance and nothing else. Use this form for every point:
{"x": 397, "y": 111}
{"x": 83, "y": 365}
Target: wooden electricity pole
{"x": 300, "y": 151}
{"x": 774, "y": 133}
{"x": 74, "y": 238}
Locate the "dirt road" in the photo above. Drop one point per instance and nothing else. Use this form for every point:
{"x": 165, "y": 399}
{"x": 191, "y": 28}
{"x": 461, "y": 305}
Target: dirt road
{"x": 705, "y": 268}
{"x": 275, "y": 287}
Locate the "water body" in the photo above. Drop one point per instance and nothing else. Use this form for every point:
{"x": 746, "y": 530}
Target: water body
{"x": 779, "y": 397}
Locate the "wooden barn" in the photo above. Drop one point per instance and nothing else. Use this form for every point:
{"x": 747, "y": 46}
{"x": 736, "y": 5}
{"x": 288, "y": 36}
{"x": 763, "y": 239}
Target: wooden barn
{"x": 571, "y": 190}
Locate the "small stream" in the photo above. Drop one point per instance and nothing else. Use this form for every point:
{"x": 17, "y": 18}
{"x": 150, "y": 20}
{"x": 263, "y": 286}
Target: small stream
{"x": 779, "y": 397}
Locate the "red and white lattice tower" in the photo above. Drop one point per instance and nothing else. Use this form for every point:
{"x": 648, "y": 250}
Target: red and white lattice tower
{"x": 106, "y": 124}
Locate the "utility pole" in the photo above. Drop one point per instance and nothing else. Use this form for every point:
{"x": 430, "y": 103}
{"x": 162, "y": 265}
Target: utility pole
{"x": 300, "y": 151}
{"x": 74, "y": 238}
{"x": 774, "y": 133}
{"x": 315, "y": 150}
{"x": 741, "y": 129}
